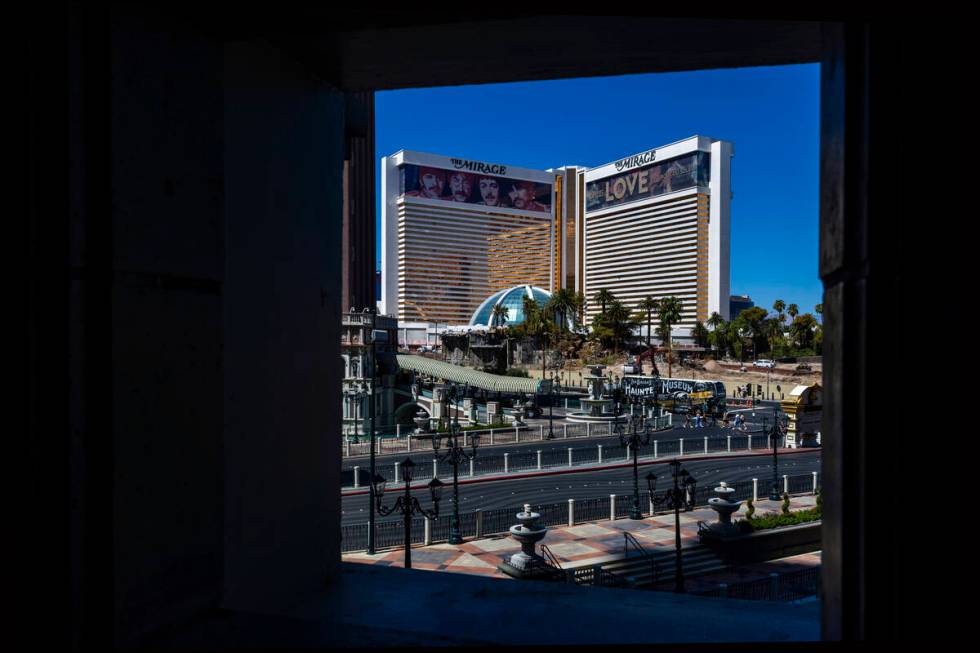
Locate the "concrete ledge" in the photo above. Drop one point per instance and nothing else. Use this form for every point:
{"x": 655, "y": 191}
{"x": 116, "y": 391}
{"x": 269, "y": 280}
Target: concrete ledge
{"x": 768, "y": 544}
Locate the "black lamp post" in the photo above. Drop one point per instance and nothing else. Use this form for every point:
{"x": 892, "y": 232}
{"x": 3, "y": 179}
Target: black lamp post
{"x": 778, "y": 427}
{"x": 634, "y": 439}
{"x": 455, "y": 454}
{"x": 406, "y": 504}
{"x": 676, "y": 498}
{"x": 555, "y": 390}
{"x": 357, "y": 396}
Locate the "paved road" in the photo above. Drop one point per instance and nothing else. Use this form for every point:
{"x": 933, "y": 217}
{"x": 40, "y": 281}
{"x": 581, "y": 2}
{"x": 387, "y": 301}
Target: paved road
{"x": 549, "y": 489}
{"x": 424, "y": 450}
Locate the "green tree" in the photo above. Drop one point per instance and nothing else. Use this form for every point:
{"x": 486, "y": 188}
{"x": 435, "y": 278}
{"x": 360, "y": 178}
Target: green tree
{"x": 738, "y": 336}
{"x": 793, "y": 311}
{"x": 700, "y": 334}
{"x": 802, "y": 330}
{"x": 621, "y": 322}
{"x": 773, "y": 328}
{"x": 670, "y": 314}
{"x": 818, "y": 309}
{"x": 717, "y": 335}
{"x": 779, "y": 306}
{"x": 579, "y": 306}
{"x": 562, "y": 303}
{"x": 648, "y": 305}
{"x": 755, "y": 332}
{"x": 498, "y": 316}
{"x": 603, "y": 298}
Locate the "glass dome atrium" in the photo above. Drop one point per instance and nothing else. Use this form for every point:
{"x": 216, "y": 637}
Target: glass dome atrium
{"x": 513, "y": 300}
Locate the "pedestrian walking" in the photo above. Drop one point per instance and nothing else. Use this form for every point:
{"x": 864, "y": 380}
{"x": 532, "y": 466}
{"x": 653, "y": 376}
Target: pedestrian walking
{"x": 687, "y": 420}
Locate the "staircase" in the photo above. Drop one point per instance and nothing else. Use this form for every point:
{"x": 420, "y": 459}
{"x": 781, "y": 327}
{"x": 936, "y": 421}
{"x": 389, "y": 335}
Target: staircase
{"x": 655, "y": 570}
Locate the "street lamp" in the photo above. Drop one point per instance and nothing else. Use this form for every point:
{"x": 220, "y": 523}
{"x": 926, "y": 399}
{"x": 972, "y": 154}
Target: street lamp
{"x": 677, "y": 497}
{"x": 356, "y": 395}
{"x": 455, "y": 455}
{"x": 406, "y": 504}
{"x": 634, "y": 440}
{"x": 555, "y": 390}
{"x": 778, "y": 428}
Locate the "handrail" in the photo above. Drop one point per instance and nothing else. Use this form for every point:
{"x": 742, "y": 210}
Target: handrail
{"x": 629, "y": 538}
{"x": 549, "y": 557}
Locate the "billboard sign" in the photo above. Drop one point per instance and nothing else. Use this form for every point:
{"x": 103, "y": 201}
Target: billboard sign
{"x": 666, "y": 389}
{"x": 473, "y": 182}
{"x": 650, "y": 179}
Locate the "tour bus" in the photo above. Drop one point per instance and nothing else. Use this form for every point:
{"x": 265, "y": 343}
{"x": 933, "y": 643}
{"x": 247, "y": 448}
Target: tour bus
{"x": 677, "y": 395}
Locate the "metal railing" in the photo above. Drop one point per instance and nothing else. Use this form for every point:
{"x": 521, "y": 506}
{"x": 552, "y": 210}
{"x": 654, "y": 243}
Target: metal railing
{"x": 485, "y": 523}
{"x": 387, "y": 443}
{"x": 790, "y": 586}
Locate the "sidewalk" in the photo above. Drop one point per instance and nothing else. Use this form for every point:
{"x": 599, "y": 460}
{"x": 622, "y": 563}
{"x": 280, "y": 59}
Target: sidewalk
{"x": 583, "y": 544}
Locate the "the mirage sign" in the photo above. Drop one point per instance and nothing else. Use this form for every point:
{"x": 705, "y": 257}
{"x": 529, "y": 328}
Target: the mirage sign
{"x": 640, "y": 177}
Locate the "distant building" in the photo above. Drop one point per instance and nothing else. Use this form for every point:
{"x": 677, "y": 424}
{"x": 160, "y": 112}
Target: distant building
{"x": 368, "y": 346}
{"x": 738, "y": 303}
{"x": 656, "y": 223}
{"x": 454, "y": 231}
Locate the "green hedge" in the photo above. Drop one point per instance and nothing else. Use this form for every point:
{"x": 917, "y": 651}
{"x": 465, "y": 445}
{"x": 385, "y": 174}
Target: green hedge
{"x": 774, "y": 520}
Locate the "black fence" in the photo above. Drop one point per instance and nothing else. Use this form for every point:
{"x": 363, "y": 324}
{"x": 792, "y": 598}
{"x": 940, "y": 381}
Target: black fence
{"x": 483, "y": 523}
{"x": 791, "y": 586}
{"x": 520, "y": 461}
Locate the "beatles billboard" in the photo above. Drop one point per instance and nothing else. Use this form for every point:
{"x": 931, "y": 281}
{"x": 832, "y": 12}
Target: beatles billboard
{"x": 472, "y": 182}
{"x": 641, "y": 177}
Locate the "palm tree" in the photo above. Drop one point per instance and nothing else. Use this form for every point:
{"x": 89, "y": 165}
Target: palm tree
{"x": 619, "y": 321}
{"x": 603, "y": 298}
{"x": 717, "y": 324}
{"x": 700, "y": 333}
{"x": 719, "y": 336}
{"x": 779, "y": 306}
{"x": 670, "y": 314}
{"x": 773, "y": 328}
{"x": 793, "y": 311}
{"x": 649, "y": 305}
{"x": 579, "y": 306}
{"x": 562, "y": 302}
{"x": 498, "y": 316}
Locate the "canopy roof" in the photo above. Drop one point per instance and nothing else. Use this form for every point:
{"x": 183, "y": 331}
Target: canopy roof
{"x": 484, "y": 380}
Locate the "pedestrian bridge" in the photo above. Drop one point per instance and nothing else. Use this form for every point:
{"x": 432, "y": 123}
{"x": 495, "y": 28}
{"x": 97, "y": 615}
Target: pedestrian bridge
{"x": 475, "y": 378}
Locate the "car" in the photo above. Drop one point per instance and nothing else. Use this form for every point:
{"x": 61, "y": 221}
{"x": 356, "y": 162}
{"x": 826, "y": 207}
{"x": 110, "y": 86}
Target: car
{"x": 765, "y": 362}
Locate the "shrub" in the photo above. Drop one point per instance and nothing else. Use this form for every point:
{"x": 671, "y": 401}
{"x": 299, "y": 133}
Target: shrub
{"x": 819, "y": 500}
{"x": 786, "y": 503}
{"x": 516, "y": 371}
{"x": 773, "y": 520}
{"x": 749, "y": 509}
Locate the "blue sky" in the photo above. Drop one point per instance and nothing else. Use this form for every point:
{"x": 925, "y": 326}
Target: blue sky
{"x": 771, "y": 115}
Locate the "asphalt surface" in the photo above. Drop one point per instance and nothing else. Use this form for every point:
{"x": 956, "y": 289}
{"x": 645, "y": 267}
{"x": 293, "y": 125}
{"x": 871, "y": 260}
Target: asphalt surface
{"x": 599, "y": 483}
{"x": 424, "y": 448}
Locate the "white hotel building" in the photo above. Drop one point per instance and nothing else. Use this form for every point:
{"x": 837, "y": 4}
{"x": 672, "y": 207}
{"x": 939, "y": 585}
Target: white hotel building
{"x": 652, "y": 224}
{"x": 657, "y": 223}
{"x": 442, "y": 258}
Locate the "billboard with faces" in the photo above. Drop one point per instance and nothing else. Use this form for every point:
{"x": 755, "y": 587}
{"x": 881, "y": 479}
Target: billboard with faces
{"x": 480, "y": 187}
